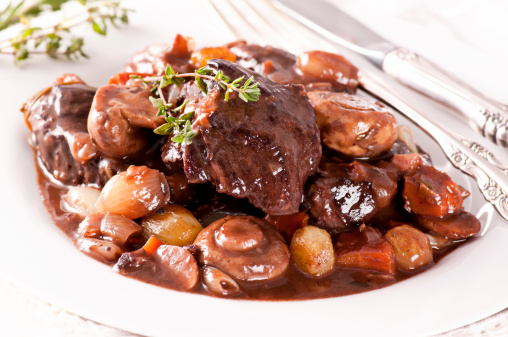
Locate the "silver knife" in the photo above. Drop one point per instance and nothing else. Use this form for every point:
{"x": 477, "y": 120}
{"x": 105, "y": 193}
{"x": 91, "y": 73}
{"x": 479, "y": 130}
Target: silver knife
{"x": 486, "y": 115}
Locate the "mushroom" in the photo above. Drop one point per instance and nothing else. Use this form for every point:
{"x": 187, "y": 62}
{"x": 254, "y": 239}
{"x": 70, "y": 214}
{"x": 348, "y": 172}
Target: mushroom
{"x": 245, "y": 247}
{"x": 120, "y": 119}
{"x": 355, "y": 126}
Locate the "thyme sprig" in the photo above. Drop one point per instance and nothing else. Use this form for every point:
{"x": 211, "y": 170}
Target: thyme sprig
{"x": 180, "y": 126}
{"x": 56, "y": 40}
{"x": 248, "y": 91}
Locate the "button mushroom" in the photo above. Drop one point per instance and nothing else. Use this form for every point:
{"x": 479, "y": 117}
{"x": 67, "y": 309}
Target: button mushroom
{"x": 119, "y": 119}
{"x": 245, "y": 247}
{"x": 353, "y": 125}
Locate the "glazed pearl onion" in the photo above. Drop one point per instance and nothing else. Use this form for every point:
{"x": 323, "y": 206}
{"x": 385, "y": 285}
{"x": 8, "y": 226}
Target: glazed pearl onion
{"x": 81, "y": 200}
{"x": 114, "y": 226}
{"x": 134, "y": 193}
{"x": 100, "y": 249}
{"x": 218, "y": 282}
{"x": 173, "y": 225}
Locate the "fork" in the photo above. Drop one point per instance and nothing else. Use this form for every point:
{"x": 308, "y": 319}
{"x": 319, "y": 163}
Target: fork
{"x": 277, "y": 30}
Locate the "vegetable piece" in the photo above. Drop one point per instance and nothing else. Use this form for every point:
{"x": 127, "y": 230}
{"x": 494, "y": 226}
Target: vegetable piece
{"x": 355, "y": 126}
{"x": 119, "y": 228}
{"x": 329, "y": 67}
{"x": 81, "y": 200}
{"x": 152, "y": 245}
{"x": 90, "y": 227}
{"x": 288, "y": 224}
{"x": 245, "y": 247}
{"x": 200, "y": 57}
{"x": 460, "y": 225}
{"x": 412, "y": 247}
{"x": 124, "y": 78}
{"x": 177, "y": 266}
{"x": 439, "y": 242}
{"x": 68, "y": 78}
{"x": 365, "y": 248}
{"x": 405, "y": 135}
{"x": 407, "y": 162}
{"x": 312, "y": 250}
{"x": 218, "y": 282}
{"x": 173, "y": 225}
{"x": 99, "y": 249}
{"x": 432, "y": 193}
{"x": 134, "y": 193}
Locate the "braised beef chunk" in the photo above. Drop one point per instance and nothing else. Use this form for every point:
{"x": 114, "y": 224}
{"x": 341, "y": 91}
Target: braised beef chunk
{"x": 348, "y": 194}
{"x": 58, "y": 119}
{"x": 253, "y": 150}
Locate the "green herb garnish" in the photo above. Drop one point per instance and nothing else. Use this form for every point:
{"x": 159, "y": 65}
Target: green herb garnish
{"x": 180, "y": 126}
{"x": 56, "y": 40}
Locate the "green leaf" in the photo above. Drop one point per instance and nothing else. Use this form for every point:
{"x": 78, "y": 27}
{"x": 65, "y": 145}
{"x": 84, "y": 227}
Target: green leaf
{"x": 156, "y": 102}
{"x": 204, "y": 71}
{"x": 201, "y": 85}
{"x": 187, "y": 117}
{"x": 98, "y": 28}
{"x": 238, "y": 80}
{"x": 242, "y": 97}
{"x": 246, "y": 84}
{"x": 181, "y": 107}
{"x": 169, "y": 70}
{"x": 164, "y": 129}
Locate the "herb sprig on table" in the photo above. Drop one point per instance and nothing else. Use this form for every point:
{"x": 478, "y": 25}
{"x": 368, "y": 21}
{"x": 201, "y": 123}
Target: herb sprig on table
{"x": 56, "y": 40}
{"x": 180, "y": 126}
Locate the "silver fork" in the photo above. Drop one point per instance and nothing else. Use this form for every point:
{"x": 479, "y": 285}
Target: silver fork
{"x": 277, "y": 30}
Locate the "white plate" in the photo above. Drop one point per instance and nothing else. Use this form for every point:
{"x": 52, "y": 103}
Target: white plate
{"x": 466, "y": 286}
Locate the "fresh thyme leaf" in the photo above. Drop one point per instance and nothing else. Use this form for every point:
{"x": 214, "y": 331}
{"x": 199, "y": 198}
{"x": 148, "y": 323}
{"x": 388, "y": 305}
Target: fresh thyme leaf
{"x": 204, "y": 71}
{"x": 201, "y": 85}
{"x": 156, "y": 102}
{"x": 164, "y": 129}
{"x": 98, "y": 28}
{"x": 181, "y": 107}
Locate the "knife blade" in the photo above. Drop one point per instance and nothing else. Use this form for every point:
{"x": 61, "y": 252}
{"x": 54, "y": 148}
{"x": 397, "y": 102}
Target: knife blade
{"x": 489, "y": 117}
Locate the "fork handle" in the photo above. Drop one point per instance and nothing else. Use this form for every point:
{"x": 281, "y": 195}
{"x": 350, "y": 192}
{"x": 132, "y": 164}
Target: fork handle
{"x": 488, "y": 116}
{"x": 491, "y": 180}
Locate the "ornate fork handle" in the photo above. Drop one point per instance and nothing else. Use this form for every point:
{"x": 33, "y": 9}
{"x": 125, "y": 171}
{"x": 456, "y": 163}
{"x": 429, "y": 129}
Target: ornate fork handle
{"x": 482, "y": 151}
{"x": 469, "y": 157}
{"x": 488, "y": 116}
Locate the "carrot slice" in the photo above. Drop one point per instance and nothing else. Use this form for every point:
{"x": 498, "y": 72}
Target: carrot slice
{"x": 288, "y": 224}
{"x": 123, "y": 78}
{"x": 152, "y": 245}
{"x": 367, "y": 249}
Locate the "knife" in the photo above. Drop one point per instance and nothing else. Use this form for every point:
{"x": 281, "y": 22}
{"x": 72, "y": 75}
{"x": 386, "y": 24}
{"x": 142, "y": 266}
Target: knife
{"x": 489, "y": 117}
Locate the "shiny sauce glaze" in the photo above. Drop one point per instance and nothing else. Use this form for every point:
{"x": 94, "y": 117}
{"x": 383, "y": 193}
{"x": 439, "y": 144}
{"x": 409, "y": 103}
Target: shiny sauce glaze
{"x": 305, "y": 193}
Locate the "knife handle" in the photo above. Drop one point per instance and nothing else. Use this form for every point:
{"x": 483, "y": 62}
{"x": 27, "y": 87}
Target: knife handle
{"x": 490, "y": 117}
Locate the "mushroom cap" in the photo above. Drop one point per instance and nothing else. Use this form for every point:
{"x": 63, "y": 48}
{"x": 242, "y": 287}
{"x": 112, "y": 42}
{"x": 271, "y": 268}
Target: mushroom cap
{"x": 245, "y": 247}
